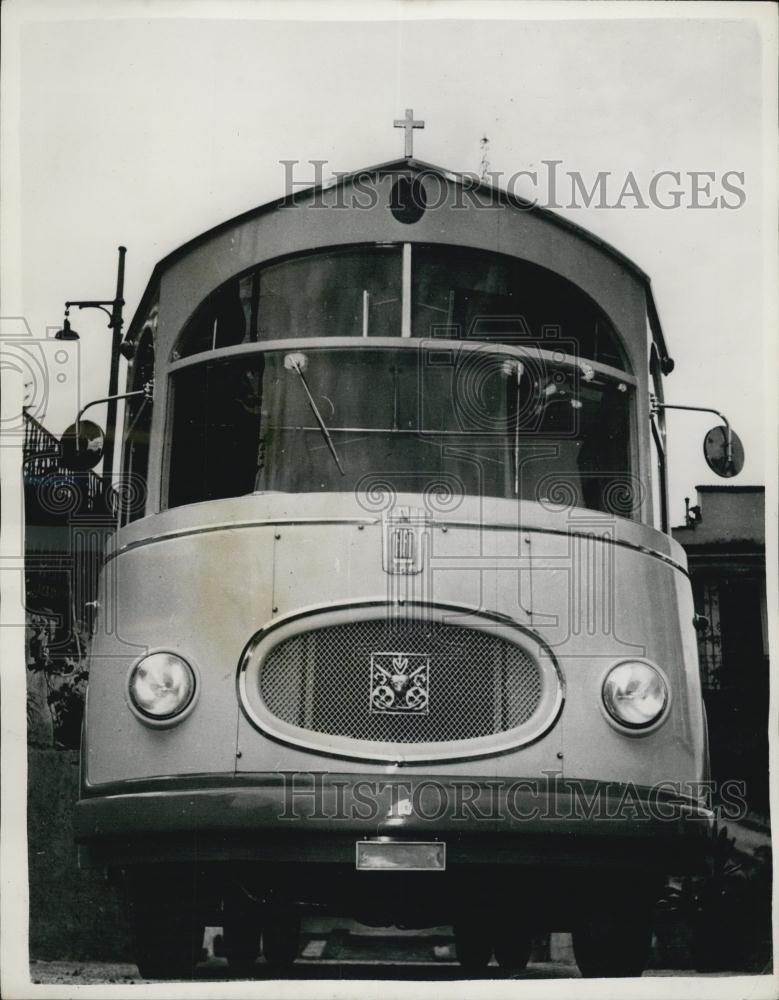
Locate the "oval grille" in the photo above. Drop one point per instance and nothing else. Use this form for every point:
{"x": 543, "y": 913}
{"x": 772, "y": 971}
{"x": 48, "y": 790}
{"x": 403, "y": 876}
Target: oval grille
{"x": 463, "y": 683}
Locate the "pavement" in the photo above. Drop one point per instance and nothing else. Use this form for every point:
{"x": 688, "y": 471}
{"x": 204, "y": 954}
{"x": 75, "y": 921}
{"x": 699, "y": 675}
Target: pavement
{"x": 334, "y": 949}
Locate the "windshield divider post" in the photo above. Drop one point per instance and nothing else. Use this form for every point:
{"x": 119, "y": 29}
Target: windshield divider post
{"x": 405, "y": 327}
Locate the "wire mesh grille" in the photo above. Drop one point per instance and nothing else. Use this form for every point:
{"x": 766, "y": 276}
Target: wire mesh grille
{"x": 475, "y": 682}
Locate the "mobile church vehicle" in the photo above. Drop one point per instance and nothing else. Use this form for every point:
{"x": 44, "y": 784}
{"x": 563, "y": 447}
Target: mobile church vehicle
{"x": 392, "y": 625}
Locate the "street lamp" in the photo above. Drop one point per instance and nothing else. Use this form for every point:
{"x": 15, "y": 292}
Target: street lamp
{"x": 113, "y": 309}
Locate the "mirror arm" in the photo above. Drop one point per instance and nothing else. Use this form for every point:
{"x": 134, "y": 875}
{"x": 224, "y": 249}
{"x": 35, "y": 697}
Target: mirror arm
{"x": 655, "y": 406}
{"x": 147, "y": 391}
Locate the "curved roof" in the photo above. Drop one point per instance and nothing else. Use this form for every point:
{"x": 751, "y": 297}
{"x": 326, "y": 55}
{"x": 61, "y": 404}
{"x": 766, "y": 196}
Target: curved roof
{"x": 407, "y": 165}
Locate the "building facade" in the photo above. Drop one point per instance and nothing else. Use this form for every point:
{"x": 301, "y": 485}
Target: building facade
{"x": 724, "y": 537}
{"x": 68, "y": 518}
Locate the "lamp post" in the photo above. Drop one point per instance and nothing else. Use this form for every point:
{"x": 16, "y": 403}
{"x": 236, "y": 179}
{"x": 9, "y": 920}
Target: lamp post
{"x": 113, "y": 309}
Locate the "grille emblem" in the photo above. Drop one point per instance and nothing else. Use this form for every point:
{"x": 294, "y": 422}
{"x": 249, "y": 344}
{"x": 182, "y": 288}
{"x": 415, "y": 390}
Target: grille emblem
{"x": 404, "y": 530}
{"x": 400, "y": 683}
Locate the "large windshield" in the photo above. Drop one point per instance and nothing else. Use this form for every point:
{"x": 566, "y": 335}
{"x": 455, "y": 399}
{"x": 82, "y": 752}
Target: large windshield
{"x": 412, "y": 419}
{"x": 457, "y": 292}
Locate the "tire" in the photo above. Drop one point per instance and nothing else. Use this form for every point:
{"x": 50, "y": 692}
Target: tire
{"x": 168, "y": 945}
{"x": 241, "y": 945}
{"x": 170, "y": 959}
{"x": 614, "y": 943}
{"x": 167, "y": 929}
{"x": 281, "y": 939}
{"x": 513, "y": 946}
{"x": 719, "y": 940}
{"x": 473, "y": 943}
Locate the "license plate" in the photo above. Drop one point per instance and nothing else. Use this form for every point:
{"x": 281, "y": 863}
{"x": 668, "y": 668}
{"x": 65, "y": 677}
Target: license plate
{"x": 401, "y": 855}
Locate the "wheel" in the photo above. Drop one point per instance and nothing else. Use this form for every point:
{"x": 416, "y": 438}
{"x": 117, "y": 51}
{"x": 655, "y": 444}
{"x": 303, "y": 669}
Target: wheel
{"x": 241, "y": 945}
{"x": 281, "y": 939}
{"x": 724, "y": 931}
{"x": 512, "y": 947}
{"x": 712, "y": 951}
{"x": 241, "y": 926}
{"x": 168, "y": 942}
{"x": 167, "y": 928}
{"x": 473, "y": 943}
{"x": 614, "y": 943}
{"x": 170, "y": 953}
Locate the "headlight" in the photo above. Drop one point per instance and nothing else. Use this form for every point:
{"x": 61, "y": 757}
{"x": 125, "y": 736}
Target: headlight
{"x": 161, "y": 685}
{"x": 635, "y": 694}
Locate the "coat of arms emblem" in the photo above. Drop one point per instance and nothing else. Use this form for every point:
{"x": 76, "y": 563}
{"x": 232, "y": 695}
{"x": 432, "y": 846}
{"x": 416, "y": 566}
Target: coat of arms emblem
{"x": 400, "y": 683}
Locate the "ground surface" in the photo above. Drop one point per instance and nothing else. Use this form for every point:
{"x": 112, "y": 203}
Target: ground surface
{"x": 332, "y": 949}
{"x": 104, "y": 972}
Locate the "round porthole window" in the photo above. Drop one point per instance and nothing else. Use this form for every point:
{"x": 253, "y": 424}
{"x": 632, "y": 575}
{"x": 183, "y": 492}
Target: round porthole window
{"x": 407, "y": 200}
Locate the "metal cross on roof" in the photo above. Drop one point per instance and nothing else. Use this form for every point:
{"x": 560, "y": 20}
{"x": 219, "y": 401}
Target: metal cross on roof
{"x": 409, "y": 125}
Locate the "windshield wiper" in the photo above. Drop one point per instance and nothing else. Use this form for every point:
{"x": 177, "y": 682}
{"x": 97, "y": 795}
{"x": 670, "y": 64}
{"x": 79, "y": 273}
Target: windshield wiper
{"x": 292, "y": 362}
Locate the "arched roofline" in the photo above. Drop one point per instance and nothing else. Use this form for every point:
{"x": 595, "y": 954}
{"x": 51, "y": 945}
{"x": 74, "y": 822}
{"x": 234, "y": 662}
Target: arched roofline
{"x": 405, "y": 165}
{"x": 619, "y": 340}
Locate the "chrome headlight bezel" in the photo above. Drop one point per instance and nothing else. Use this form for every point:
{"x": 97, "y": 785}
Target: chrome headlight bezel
{"x": 178, "y": 713}
{"x": 629, "y": 727}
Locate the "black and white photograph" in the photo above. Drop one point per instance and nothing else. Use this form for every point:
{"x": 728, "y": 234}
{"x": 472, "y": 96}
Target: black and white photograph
{"x": 389, "y": 498}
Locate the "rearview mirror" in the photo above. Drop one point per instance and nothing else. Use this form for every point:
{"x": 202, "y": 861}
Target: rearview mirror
{"x": 81, "y": 446}
{"x": 723, "y": 456}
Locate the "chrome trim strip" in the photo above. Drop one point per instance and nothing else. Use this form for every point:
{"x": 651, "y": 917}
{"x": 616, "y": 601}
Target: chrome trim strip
{"x": 208, "y": 529}
{"x": 457, "y": 749}
{"x": 401, "y": 343}
{"x": 290, "y": 521}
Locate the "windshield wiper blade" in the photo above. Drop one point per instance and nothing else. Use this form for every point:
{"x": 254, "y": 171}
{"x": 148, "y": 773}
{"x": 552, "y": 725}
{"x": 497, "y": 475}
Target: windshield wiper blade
{"x": 291, "y": 362}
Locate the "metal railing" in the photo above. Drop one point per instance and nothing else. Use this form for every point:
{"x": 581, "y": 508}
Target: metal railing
{"x": 44, "y": 471}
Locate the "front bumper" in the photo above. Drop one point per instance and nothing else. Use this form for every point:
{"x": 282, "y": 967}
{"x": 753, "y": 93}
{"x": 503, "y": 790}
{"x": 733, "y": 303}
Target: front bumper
{"x": 317, "y": 818}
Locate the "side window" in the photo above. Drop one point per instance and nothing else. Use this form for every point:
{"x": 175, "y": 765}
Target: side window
{"x": 138, "y": 431}
{"x": 657, "y": 469}
{"x": 657, "y": 476}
